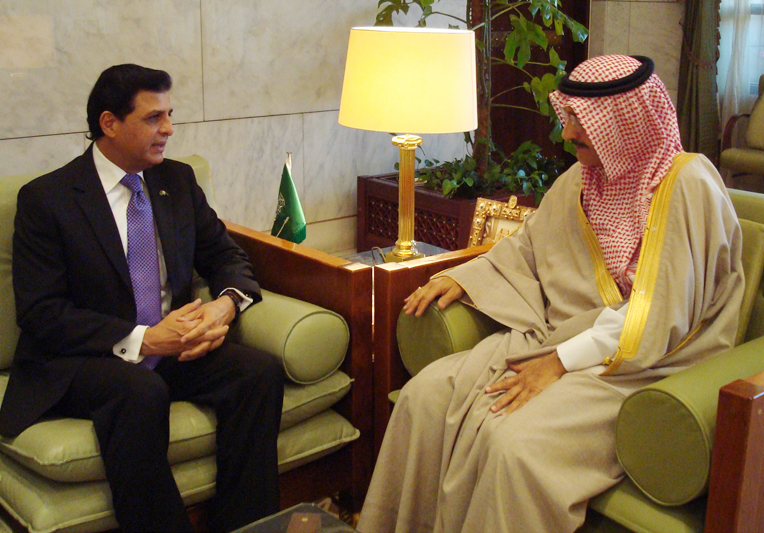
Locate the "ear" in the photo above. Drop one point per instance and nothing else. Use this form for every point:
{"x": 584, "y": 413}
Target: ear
{"x": 108, "y": 122}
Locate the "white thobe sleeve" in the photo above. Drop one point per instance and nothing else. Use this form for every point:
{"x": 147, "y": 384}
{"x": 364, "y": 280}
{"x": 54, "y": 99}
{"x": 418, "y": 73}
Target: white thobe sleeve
{"x": 591, "y": 347}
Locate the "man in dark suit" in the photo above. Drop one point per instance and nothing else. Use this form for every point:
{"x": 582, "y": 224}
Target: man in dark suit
{"x": 104, "y": 253}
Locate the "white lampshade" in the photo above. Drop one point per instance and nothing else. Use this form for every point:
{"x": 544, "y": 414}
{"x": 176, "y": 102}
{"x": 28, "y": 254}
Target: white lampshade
{"x": 410, "y": 80}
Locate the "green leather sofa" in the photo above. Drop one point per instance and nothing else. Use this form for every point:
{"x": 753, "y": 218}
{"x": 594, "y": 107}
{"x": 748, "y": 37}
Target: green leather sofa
{"x": 51, "y": 475}
{"x": 665, "y": 432}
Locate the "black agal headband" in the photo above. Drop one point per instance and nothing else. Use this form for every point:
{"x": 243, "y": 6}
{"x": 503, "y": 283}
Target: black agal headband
{"x": 608, "y": 88}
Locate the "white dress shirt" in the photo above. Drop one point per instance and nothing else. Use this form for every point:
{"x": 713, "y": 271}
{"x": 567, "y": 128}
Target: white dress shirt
{"x": 119, "y": 197}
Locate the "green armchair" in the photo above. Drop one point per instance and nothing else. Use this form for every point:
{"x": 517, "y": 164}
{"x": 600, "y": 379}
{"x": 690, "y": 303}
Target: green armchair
{"x": 677, "y": 479}
{"x": 315, "y": 317}
{"x": 748, "y": 158}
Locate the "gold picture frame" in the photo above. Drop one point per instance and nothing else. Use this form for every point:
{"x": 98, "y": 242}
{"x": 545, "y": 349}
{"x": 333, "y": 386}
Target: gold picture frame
{"x": 495, "y": 220}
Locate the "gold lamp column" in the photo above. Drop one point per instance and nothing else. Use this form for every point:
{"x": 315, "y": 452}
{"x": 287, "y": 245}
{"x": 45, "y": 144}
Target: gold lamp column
{"x": 415, "y": 80}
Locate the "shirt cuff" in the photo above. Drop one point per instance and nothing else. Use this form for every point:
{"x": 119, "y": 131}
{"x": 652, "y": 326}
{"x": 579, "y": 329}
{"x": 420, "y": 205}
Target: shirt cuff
{"x": 591, "y": 347}
{"x": 129, "y": 348}
{"x": 246, "y": 301}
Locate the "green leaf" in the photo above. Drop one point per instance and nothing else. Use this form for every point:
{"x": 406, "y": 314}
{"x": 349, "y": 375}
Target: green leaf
{"x": 536, "y": 34}
{"x": 549, "y": 82}
{"x": 523, "y": 55}
{"x": 559, "y": 29}
{"x": 570, "y": 148}
{"x": 555, "y": 61}
{"x": 577, "y": 30}
{"x": 511, "y": 45}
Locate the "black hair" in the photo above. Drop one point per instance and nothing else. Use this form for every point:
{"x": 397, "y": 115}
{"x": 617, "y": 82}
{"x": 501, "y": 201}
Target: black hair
{"x": 116, "y": 89}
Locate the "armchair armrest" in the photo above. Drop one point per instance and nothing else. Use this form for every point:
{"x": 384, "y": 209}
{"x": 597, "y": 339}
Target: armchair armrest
{"x": 440, "y": 332}
{"x": 665, "y": 431}
{"x": 310, "y": 341}
{"x": 729, "y": 129}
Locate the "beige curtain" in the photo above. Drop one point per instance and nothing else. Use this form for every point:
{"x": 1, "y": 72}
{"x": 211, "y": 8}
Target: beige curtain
{"x": 696, "y": 102}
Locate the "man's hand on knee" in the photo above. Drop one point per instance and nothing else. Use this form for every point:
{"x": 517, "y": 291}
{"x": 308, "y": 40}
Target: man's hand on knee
{"x": 532, "y": 376}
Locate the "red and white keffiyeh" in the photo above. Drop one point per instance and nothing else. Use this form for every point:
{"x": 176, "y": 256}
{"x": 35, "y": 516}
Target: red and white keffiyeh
{"x": 636, "y": 136}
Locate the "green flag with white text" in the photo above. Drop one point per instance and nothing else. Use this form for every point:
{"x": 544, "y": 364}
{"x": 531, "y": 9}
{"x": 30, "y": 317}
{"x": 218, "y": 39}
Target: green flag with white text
{"x": 289, "y": 223}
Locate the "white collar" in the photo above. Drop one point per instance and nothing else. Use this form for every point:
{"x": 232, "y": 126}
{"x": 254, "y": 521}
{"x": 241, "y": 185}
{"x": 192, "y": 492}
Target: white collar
{"x": 109, "y": 173}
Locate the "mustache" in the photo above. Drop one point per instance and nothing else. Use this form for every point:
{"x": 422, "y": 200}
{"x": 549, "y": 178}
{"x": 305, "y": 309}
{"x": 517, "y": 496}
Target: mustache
{"x": 578, "y": 144}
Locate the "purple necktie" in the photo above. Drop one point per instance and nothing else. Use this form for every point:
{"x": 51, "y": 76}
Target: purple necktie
{"x": 143, "y": 259}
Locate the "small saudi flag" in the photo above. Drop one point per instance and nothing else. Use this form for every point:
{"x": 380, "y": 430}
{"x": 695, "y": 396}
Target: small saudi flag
{"x": 289, "y": 223}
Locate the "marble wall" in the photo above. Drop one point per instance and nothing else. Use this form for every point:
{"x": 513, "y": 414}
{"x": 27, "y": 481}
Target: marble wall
{"x": 640, "y": 27}
{"x": 253, "y": 79}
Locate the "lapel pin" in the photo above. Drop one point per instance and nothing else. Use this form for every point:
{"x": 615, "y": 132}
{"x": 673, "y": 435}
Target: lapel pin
{"x": 162, "y": 192}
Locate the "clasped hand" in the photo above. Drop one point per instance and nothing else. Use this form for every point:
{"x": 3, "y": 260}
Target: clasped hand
{"x": 191, "y": 331}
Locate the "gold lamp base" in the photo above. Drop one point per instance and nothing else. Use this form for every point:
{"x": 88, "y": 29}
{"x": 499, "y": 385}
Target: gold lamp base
{"x": 405, "y": 246}
{"x": 390, "y": 257}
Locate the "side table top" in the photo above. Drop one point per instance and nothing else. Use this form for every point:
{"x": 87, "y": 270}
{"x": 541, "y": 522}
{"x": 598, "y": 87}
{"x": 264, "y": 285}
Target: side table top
{"x": 302, "y": 518}
{"x": 374, "y": 257}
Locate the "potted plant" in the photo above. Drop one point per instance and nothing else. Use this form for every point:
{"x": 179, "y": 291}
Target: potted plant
{"x": 528, "y": 48}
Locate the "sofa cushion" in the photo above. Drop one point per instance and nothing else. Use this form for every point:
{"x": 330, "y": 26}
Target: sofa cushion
{"x": 314, "y": 438}
{"x": 304, "y": 401}
{"x": 43, "y": 505}
{"x": 67, "y": 450}
{"x": 627, "y": 506}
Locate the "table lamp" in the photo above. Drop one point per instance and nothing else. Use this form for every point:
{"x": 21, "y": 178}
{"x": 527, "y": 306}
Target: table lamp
{"x": 409, "y": 81}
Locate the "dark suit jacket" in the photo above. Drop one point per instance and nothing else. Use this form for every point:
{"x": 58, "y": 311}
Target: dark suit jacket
{"x": 74, "y": 297}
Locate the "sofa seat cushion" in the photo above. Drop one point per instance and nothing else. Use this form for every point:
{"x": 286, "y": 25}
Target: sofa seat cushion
{"x": 43, "y": 505}
{"x": 304, "y": 401}
{"x": 66, "y": 449}
{"x": 314, "y": 438}
{"x": 626, "y": 505}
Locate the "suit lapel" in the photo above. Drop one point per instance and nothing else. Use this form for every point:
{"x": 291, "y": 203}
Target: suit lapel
{"x": 161, "y": 206}
{"x": 89, "y": 194}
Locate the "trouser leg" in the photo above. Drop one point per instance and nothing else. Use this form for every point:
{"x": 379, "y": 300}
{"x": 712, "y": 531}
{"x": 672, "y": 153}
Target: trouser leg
{"x": 246, "y": 389}
{"x": 129, "y": 406}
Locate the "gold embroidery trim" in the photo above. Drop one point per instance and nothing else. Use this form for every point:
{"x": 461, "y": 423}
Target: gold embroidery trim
{"x": 606, "y": 285}
{"x": 647, "y": 268}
